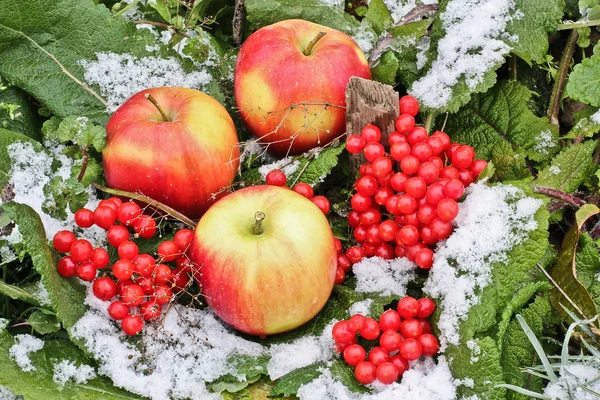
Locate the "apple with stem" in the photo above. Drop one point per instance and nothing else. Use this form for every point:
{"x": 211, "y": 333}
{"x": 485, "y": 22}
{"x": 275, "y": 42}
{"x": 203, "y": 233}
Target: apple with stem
{"x": 265, "y": 259}
{"x": 290, "y": 83}
{"x": 175, "y": 145}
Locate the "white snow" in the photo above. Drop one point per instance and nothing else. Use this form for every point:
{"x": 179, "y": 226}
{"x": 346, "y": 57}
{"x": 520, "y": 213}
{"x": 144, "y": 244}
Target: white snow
{"x": 119, "y": 76}
{"x": 554, "y": 170}
{"x": 423, "y": 46}
{"x": 24, "y": 345}
{"x": 383, "y": 276}
{"x": 333, "y": 3}
{"x": 572, "y": 377}
{"x": 543, "y": 142}
{"x": 361, "y": 307}
{"x": 42, "y": 294}
{"x": 468, "y": 50}
{"x": 364, "y": 37}
{"x": 7, "y": 394}
{"x": 32, "y": 170}
{"x": 66, "y": 371}
{"x": 491, "y": 221}
{"x": 288, "y": 165}
{"x": 399, "y": 8}
{"x": 595, "y": 117}
{"x": 475, "y": 350}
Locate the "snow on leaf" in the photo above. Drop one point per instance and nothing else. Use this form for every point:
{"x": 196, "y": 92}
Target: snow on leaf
{"x": 570, "y": 168}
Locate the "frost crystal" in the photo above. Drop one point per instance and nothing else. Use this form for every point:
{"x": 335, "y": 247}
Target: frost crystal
{"x": 491, "y": 221}
{"x": 554, "y": 170}
{"x": 42, "y": 294}
{"x": 119, "y": 76}
{"x": 66, "y": 371}
{"x": 383, "y": 276}
{"x": 361, "y": 307}
{"x": 24, "y": 345}
{"x": 543, "y": 142}
{"x": 468, "y": 50}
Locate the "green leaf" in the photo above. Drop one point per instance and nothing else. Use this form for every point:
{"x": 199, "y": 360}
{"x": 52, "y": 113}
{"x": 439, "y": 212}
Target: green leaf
{"x": 93, "y": 171}
{"x": 517, "y": 350}
{"x": 66, "y": 295}
{"x": 6, "y": 139}
{"x": 289, "y": 384}
{"x": 251, "y": 368}
{"x": 345, "y": 374}
{"x": 47, "y": 38}
{"x": 27, "y": 122}
{"x": 43, "y": 323}
{"x": 61, "y": 193}
{"x": 584, "y": 81}
{"x": 500, "y": 127}
{"x": 314, "y": 169}
{"x": 532, "y": 24}
{"x": 379, "y": 16}
{"x": 39, "y": 384}
{"x": 586, "y": 126}
{"x": 18, "y": 293}
{"x": 564, "y": 271}
{"x": 266, "y": 12}
{"x": 386, "y": 69}
{"x": 587, "y": 260}
{"x": 570, "y": 168}
{"x": 79, "y": 130}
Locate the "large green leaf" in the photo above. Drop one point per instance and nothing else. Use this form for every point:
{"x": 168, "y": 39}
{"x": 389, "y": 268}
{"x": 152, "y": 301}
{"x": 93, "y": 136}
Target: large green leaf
{"x": 27, "y": 121}
{"x": 502, "y": 129}
{"x": 66, "y": 295}
{"x": 584, "y": 81}
{"x": 41, "y": 42}
{"x": 7, "y": 138}
{"x": 570, "y": 168}
{"x": 26, "y": 293}
{"x": 39, "y": 384}
{"x": 532, "y": 24}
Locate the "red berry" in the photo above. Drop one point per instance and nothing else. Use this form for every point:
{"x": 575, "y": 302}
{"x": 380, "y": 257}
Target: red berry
{"x": 411, "y": 349}
{"x": 360, "y": 202}
{"x": 373, "y": 150}
{"x": 422, "y": 151}
{"x": 132, "y": 324}
{"x": 108, "y": 203}
{"x": 105, "y": 216}
{"x": 429, "y": 172}
{"x": 354, "y": 354}
{"x": 398, "y": 180}
{"x": 276, "y": 177}
{"x": 412, "y": 250}
{"x": 426, "y": 307}
{"x": 400, "y": 150}
{"x": 162, "y": 275}
{"x": 305, "y": 190}
{"x": 390, "y": 340}
{"x": 386, "y": 180}
{"x": 435, "y": 193}
{"x": 443, "y": 137}
{"x": 426, "y": 213}
{"x": 63, "y": 240}
{"x": 429, "y": 344}
{"x": 360, "y": 233}
{"x": 121, "y": 285}
{"x": 407, "y": 204}
{"x": 365, "y": 372}
{"x": 417, "y": 135}
{"x": 183, "y": 239}
{"x": 67, "y": 267}
{"x": 442, "y": 229}
{"x": 104, "y": 288}
{"x": 144, "y": 226}
{"x": 384, "y": 251}
{"x": 168, "y": 251}
{"x": 477, "y": 167}
{"x": 354, "y": 218}
{"x": 340, "y": 276}
{"x": 163, "y": 294}
{"x": 389, "y": 319}
{"x": 409, "y": 105}
{"x": 371, "y": 133}
{"x": 462, "y": 157}
{"x": 415, "y": 187}
{"x": 411, "y": 328}
{"x": 454, "y": 189}
{"x": 367, "y": 185}
{"x": 424, "y": 258}
{"x": 387, "y": 373}
{"x": 381, "y": 166}
{"x": 150, "y": 310}
{"x": 371, "y": 330}
{"x": 387, "y": 230}
{"x": 408, "y": 307}
{"x": 117, "y": 234}
{"x": 370, "y": 216}
{"x": 436, "y": 144}
{"x": 115, "y": 201}
{"x": 344, "y": 263}
{"x": 342, "y": 332}
{"x": 427, "y": 237}
{"x": 355, "y": 144}
{"x": 128, "y": 250}
{"x": 355, "y": 254}
{"x": 365, "y": 169}
{"x": 407, "y": 235}
{"x": 132, "y": 295}
{"x": 396, "y": 137}
{"x": 144, "y": 264}
{"x": 410, "y": 165}
{"x": 81, "y": 250}
{"x": 128, "y": 212}
{"x": 378, "y": 355}
{"x": 447, "y": 209}
{"x": 123, "y": 269}
{"x": 118, "y": 310}
{"x": 382, "y": 195}
{"x": 450, "y": 172}
{"x": 466, "y": 177}
{"x": 357, "y": 322}
{"x": 400, "y": 363}
{"x": 100, "y": 257}
{"x": 86, "y": 271}
{"x": 84, "y": 218}
{"x": 405, "y": 123}
{"x": 323, "y": 203}
{"x": 426, "y": 325}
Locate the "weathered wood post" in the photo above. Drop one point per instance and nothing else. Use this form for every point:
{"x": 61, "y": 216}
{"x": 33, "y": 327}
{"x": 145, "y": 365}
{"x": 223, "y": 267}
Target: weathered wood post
{"x": 369, "y": 102}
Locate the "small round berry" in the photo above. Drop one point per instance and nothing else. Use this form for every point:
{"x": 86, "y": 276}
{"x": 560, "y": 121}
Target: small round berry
{"x": 84, "y": 218}
{"x": 345, "y": 264}
{"x": 162, "y": 275}
{"x": 447, "y": 209}
{"x": 390, "y": 340}
{"x": 144, "y": 264}
{"x": 408, "y": 307}
{"x": 371, "y": 133}
{"x": 81, "y": 250}
{"x": 118, "y": 310}
{"x": 422, "y": 151}
{"x": 163, "y": 294}
{"x": 389, "y": 319}
{"x": 411, "y": 349}
{"x": 338, "y": 245}
{"x": 342, "y": 332}
{"x": 117, "y": 234}
{"x": 144, "y": 226}
{"x": 410, "y": 165}
{"x": 66, "y": 267}
{"x": 373, "y": 150}
{"x": 357, "y": 322}
{"x": 355, "y": 144}
{"x": 424, "y": 258}
{"x": 100, "y": 257}
{"x": 360, "y": 202}
{"x": 384, "y": 251}
{"x": 400, "y": 363}
{"x": 442, "y": 229}
{"x": 381, "y": 166}
{"x": 132, "y": 295}
{"x": 132, "y": 324}
{"x": 387, "y": 373}
{"x": 305, "y": 190}
{"x": 104, "y": 288}
{"x": 454, "y": 189}
{"x": 150, "y": 310}
{"x": 405, "y": 123}
{"x": 378, "y": 355}
{"x": 105, "y": 216}
{"x": 463, "y": 156}
{"x": 128, "y": 250}
{"x": 371, "y": 330}
{"x": 128, "y": 212}
{"x": 477, "y": 167}
{"x": 366, "y": 185}
{"x": 409, "y": 105}
{"x": 63, "y": 240}
{"x": 426, "y": 307}
{"x": 168, "y": 251}
{"x": 123, "y": 269}
{"x": 415, "y": 187}
{"x": 400, "y": 150}
{"x": 276, "y": 177}
{"x": 323, "y": 203}
{"x": 411, "y": 328}
{"x": 430, "y": 344}
{"x": 183, "y": 239}
{"x": 340, "y": 276}
{"x": 354, "y": 354}
{"x": 86, "y": 271}
{"x": 355, "y": 254}
{"x": 365, "y": 372}
{"x": 417, "y": 135}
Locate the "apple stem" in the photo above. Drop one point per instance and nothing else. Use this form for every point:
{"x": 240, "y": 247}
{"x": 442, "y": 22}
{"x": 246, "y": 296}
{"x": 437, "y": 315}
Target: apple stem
{"x": 152, "y": 100}
{"x": 257, "y": 228}
{"x": 311, "y": 45}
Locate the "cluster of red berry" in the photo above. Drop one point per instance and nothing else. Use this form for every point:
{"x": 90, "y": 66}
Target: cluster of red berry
{"x": 406, "y": 337}
{"x": 417, "y": 184}
{"x": 276, "y": 177}
{"x": 138, "y": 280}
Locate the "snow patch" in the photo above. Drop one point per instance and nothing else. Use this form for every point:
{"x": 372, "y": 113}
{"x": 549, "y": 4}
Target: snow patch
{"x": 288, "y": 165}
{"x": 7, "y": 394}
{"x": 333, "y": 3}
{"x": 543, "y": 142}
{"x": 25, "y": 345}
{"x": 66, "y": 371}
{"x": 364, "y": 37}
{"x": 399, "y": 8}
{"x": 572, "y": 378}
{"x": 361, "y": 307}
{"x": 554, "y": 170}
{"x": 595, "y": 117}
{"x": 384, "y": 276}
{"x": 42, "y": 294}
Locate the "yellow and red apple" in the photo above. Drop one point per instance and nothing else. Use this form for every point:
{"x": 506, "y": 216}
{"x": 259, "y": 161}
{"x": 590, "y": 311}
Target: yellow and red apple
{"x": 265, "y": 259}
{"x": 175, "y": 145}
{"x": 290, "y": 82}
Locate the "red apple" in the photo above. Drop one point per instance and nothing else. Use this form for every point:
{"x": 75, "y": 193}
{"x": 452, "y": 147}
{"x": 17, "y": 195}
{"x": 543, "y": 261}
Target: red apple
{"x": 285, "y": 75}
{"x": 180, "y": 159}
{"x": 270, "y": 275}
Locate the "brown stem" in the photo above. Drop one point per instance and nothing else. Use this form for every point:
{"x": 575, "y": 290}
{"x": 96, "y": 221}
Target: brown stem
{"x": 559, "y": 195}
{"x": 152, "y": 100}
{"x": 309, "y": 49}
{"x": 561, "y": 78}
{"x": 257, "y": 227}
{"x": 84, "y": 163}
{"x": 415, "y": 13}
{"x": 238, "y": 21}
{"x": 151, "y": 202}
